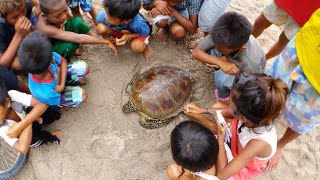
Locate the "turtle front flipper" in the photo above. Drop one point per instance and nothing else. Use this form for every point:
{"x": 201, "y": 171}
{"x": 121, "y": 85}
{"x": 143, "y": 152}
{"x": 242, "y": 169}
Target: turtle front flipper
{"x": 128, "y": 107}
{"x": 150, "y": 123}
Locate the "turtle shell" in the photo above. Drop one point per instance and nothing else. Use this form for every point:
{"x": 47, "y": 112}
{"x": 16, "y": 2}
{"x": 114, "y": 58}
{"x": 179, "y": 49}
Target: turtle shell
{"x": 161, "y": 91}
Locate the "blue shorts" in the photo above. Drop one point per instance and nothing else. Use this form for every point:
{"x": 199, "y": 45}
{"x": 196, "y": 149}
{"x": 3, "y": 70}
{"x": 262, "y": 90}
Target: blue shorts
{"x": 86, "y": 5}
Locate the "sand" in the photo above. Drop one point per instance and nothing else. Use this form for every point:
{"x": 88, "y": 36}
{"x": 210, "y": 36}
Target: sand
{"x": 100, "y": 142}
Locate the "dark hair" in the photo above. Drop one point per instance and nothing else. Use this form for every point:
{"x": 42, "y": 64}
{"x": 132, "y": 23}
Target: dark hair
{"x": 123, "y": 9}
{"x": 232, "y": 30}
{"x": 258, "y": 97}
{"x": 7, "y": 6}
{"x": 194, "y": 147}
{"x": 35, "y": 53}
{"x": 3, "y": 92}
{"x": 46, "y": 5}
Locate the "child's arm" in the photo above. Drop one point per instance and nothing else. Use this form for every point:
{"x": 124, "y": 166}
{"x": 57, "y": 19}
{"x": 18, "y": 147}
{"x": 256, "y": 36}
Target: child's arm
{"x": 23, "y": 143}
{"x": 224, "y": 64}
{"x": 250, "y": 151}
{"x": 68, "y": 36}
{"x": 22, "y": 28}
{"x": 38, "y": 109}
{"x": 62, "y": 75}
{"x": 190, "y": 24}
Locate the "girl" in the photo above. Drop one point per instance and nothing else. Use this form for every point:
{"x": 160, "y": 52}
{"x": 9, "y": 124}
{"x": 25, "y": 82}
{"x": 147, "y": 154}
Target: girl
{"x": 255, "y": 101}
{"x": 195, "y": 150}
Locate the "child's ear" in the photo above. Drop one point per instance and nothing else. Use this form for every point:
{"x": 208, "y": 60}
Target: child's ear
{"x": 8, "y": 103}
{"x": 243, "y": 47}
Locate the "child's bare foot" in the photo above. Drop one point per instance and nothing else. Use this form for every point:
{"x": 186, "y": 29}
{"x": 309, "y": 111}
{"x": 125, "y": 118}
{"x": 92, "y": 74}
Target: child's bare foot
{"x": 39, "y": 120}
{"x": 77, "y": 53}
{"x": 57, "y": 133}
{"x": 162, "y": 35}
{"x": 148, "y": 54}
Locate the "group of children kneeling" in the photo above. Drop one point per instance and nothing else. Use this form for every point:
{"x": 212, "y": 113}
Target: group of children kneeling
{"x": 249, "y": 101}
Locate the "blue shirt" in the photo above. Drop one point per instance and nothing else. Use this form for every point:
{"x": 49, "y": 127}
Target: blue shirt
{"x": 45, "y": 90}
{"x": 137, "y": 25}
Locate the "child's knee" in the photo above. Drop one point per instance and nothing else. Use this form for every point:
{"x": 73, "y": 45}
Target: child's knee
{"x": 102, "y": 29}
{"x": 84, "y": 95}
{"x": 177, "y": 31}
{"x": 162, "y": 23}
{"x": 137, "y": 45}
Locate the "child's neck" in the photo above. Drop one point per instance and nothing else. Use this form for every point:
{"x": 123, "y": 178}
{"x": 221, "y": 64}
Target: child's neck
{"x": 44, "y": 76}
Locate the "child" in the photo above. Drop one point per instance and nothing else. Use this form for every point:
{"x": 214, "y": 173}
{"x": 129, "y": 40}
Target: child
{"x": 22, "y": 143}
{"x": 14, "y": 26}
{"x": 85, "y": 5}
{"x": 284, "y": 12}
{"x": 49, "y": 72}
{"x": 175, "y": 16}
{"x": 298, "y": 66}
{"x": 66, "y": 36}
{"x": 231, "y": 48}
{"x": 195, "y": 150}
{"x": 256, "y": 100}
{"x": 121, "y": 19}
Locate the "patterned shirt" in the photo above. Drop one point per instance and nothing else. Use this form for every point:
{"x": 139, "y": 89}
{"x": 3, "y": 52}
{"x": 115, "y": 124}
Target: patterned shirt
{"x": 193, "y": 6}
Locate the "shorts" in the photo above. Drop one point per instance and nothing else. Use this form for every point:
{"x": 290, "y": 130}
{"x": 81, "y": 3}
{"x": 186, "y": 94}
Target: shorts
{"x": 302, "y": 109}
{"x": 86, "y": 5}
{"x": 76, "y": 71}
{"x": 67, "y": 49}
{"x": 71, "y": 96}
{"x": 276, "y": 15}
{"x": 223, "y": 83}
{"x": 9, "y": 78}
{"x": 183, "y": 12}
{"x": 144, "y": 39}
{"x": 209, "y": 13}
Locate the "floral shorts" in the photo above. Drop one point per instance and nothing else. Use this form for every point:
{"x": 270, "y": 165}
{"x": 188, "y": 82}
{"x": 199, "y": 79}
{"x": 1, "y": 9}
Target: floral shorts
{"x": 302, "y": 109}
{"x": 86, "y": 5}
{"x": 276, "y": 15}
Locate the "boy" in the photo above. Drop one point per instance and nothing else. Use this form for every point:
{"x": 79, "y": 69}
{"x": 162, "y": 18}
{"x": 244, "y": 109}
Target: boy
{"x": 231, "y": 48}
{"x": 22, "y": 143}
{"x": 181, "y": 16}
{"x": 49, "y": 72}
{"x": 85, "y": 5}
{"x": 121, "y": 19}
{"x": 67, "y": 36}
{"x": 14, "y": 26}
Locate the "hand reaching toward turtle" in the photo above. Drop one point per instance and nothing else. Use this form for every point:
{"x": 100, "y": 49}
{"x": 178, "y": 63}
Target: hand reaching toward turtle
{"x": 193, "y": 108}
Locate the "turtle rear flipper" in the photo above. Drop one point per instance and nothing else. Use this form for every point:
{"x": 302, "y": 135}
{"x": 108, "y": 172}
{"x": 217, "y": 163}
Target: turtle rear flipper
{"x": 150, "y": 123}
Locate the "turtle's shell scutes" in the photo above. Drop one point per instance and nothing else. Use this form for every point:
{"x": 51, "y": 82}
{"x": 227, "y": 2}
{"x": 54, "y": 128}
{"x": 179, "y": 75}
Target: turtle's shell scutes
{"x": 161, "y": 91}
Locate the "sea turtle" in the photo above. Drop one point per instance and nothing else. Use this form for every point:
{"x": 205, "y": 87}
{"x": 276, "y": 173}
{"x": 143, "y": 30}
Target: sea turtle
{"x": 159, "y": 94}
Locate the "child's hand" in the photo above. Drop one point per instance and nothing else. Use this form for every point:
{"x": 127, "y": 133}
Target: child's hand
{"x": 59, "y": 88}
{"x": 162, "y": 6}
{"x": 227, "y": 66}
{"x": 193, "y": 108}
{"x": 154, "y": 12}
{"x": 221, "y": 131}
{"x": 23, "y": 26}
{"x": 122, "y": 41}
{"x": 14, "y": 131}
{"x": 112, "y": 46}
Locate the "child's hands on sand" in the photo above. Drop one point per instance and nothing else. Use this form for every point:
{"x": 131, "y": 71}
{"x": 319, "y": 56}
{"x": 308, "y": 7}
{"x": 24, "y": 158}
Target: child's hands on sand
{"x": 122, "y": 41}
{"x": 112, "y": 46}
{"x": 193, "y": 108}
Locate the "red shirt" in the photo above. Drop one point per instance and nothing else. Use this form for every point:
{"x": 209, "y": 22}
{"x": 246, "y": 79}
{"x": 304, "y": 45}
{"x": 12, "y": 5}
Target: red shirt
{"x": 299, "y": 10}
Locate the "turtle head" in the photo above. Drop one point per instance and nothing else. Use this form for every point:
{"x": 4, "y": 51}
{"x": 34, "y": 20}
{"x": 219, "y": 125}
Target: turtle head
{"x": 128, "y": 107}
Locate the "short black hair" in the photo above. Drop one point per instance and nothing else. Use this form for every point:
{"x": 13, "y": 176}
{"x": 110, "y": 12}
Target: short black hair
{"x": 35, "y": 53}
{"x": 232, "y": 30}
{"x": 46, "y": 5}
{"x": 3, "y": 92}
{"x": 123, "y": 9}
{"x": 194, "y": 147}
